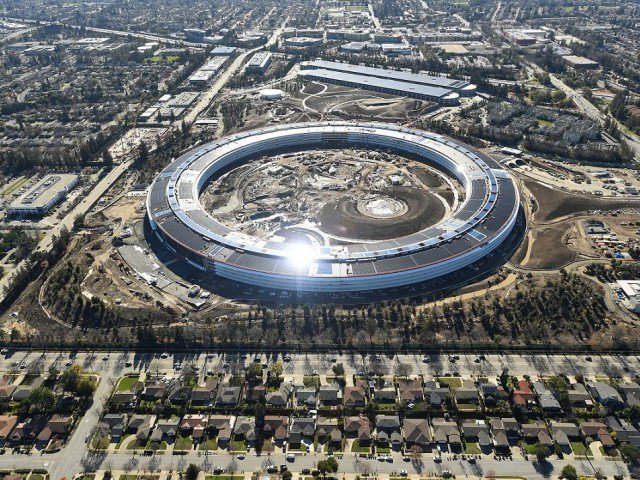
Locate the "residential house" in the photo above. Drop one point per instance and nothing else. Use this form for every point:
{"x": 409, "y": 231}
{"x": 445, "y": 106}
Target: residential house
{"x": 178, "y": 394}
{"x": 435, "y": 394}
{"x": 523, "y": 396}
{"x": 578, "y": 396}
{"x": 330, "y": 394}
{"x": 358, "y": 427}
{"x": 446, "y": 434}
{"x": 386, "y": 395}
{"x": 597, "y": 431}
{"x": 194, "y": 424}
{"x": 624, "y": 431}
{"x": 27, "y": 431}
{"x": 245, "y": 429}
{"x": 143, "y": 426}
{"x": 255, "y": 393}
{"x": 354, "y": 397}
{"x": 117, "y": 424}
{"x": 606, "y": 395}
{"x": 571, "y": 430}
{"x": 506, "y": 432}
{"x": 388, "y": 431}
{"x": 410, "y": 390}
{"x": 467, "y": 394}
{"x": 417, "y": 433}
{"x": 477, "y": 431}
{"x": 490, "y": 392}
{"x": 219, "y": 426}
{"x": 548, "y": 401}
{"x": 307, "y": 397}
{"x": 7, "y": 422}
{"x": 275, "y": 427}
{"x": 302, "y": 430}
{"x": 328, "y": 431}
{"x": 154, "y": 391}
{"x": 6, "y": 391}
{"x": 536, "y": 432}
{"x": 278, "y": 399}
{"x": 228, "y": 396}
{"x": 205, "y": 394}
{"x": 168, "y": 428}
{"x": 631, "y": 392}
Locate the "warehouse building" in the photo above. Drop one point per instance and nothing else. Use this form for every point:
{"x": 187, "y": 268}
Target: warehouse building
{"x": 49, "y": 191}
{"x": 443, "y": 96}
{"x": 461, "y": 87}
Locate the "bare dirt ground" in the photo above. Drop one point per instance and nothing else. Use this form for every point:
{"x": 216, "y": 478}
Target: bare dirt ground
{"x": 554, "y": 204}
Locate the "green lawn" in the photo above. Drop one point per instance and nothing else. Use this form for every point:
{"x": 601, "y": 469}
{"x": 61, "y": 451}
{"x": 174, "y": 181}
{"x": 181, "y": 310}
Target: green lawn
{"x": 543, "y": 123}
{"x": 380, "y": 449}
{"x": 357, "y": 448}
{"x": 311, "y": 381}
{"x": 580, "y": 449}
{"x": 100, "y": 443}
{"x": 36, "y": 476}
{"x": 453, "y": 382}
{"x": 472, "y": 448}
{"x": 268, "y": 446}
{"x": 183, "y": 443}
{"x": 238, "y": 446}
{"x": 467, "y": 407}
{"x": 128, "y": 477}
{"x": 209, "y": 444}
{"x": 15, "y": 185}
{"x": 126, "y": 383}
{"x": 301, "y": 448}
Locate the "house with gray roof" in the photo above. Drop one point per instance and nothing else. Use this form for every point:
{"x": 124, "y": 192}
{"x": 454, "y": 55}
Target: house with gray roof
{"x": 388, "y": 431}
{"x": 417, "y": 432}
{"x": 307, "y": 397}
{"x": 302, "y": 430}
{"x": 606, "y": 395}
{"x": 228, "y": 395}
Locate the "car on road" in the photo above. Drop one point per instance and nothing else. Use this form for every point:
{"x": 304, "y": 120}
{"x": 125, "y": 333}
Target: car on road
{"x": 218, "y": 470}
{"x": 128, "y": 363}
{"x": 290, "y": 457}
{"x": 272, "y": 469}
{"x": 305, "y": 471}
{"x": 164, "y": 355}
{"x": 403, "y": 473}
{"x": 105, "y": 358}
{"x": 241, "y": 456}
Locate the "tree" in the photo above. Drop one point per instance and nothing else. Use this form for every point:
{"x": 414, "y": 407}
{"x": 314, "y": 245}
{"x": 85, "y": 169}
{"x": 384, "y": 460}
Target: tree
{"x": 338, "y": 369}
{"x": 542, "y": 452}
{"x": 287, "y": 475}
{"x": 192, "y": 472}
{"x": 276, "y": 369}
{"x": 41, "y": 400}
{"x": 85, "y": 388}
{"x": 71, "y": 377}
{"x": 328, "y": 465}
{"x": 254, "y": 372}
{"x": 569, "y": 473}
{"x": 630, "y": 452}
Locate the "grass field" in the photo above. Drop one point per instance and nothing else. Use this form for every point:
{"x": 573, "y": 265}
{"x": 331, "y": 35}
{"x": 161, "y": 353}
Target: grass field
{"x": 183, "y": 443}
{"x": 126, "y": 383}
{"x": 453, "y": 382}
{"x": 14, "y": 186}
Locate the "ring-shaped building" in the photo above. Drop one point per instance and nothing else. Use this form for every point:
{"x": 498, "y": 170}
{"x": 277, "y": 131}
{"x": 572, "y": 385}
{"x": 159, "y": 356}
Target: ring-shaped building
{"x": 479, "y": 225}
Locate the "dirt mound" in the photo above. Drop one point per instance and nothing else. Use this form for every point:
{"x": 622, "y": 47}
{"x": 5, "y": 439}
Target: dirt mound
{"x": 342, "y": 218}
